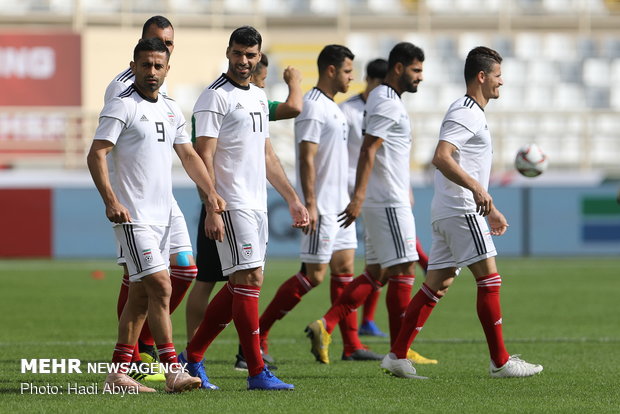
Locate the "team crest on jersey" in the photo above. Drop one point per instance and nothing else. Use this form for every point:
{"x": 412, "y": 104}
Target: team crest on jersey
{"x": 148, "y": 255}
{"x": 264, "y": 106}
{"x": 171, "y": 117}
{"x": 247, "y": 250}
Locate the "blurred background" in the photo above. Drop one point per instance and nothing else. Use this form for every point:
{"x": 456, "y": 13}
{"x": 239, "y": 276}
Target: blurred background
{"x": 561, "y": 90}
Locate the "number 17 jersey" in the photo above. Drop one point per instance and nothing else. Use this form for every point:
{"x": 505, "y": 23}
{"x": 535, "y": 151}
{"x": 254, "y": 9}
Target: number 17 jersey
{"x": 238, "y": 117}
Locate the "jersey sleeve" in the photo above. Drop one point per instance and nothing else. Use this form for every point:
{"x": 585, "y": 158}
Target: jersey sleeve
{"x": 459, "y": 126}
{"x": 181, "y": 136}
{"x": 113, "y": 120}
{"x": 113, "y": 90}
{"x": 273, "y": 105}
{"x": 454, "y": 133}
{"x": 309, "y": 123}
{"x": 381, "y": 118}
{"x": 209, "y": 114}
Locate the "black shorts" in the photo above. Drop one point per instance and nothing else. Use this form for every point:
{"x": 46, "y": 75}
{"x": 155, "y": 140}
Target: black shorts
{"x": 207, "y": 259}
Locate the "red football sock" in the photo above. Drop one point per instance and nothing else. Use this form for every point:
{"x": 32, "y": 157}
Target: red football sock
{"x": 287, "y": 297}
{"x": 370, "y": 306}
{"x": 397, "y": 298}
{"x": 490, "y": 315}
{"x": 122, "y": 295}
{"x": 167, "y": 354}
{"x": 217, "y": 316}
{"x": 348, "y": 325}
{"x": 122, "y": 354}
{"x": 136, "y": 353}
{"x": 417, "y": 313}
{"x": 352, "y": 298}
{"x": 245, "y": 315}
{"x": 423, "y": 257}
{"x": 181, "y": 277}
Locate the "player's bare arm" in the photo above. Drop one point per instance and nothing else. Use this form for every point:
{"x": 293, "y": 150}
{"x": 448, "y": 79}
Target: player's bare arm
{"x": 214, "y": 225}
{"x": 497, "y": 222}
{"x": 98, "y": 167}
{"x": 294, "y": 101}
{"x": 277, "y": 178}
{"x": 368, "y": 151}
{"x": 307, "y": 173}
{"x": 444, "y": 161}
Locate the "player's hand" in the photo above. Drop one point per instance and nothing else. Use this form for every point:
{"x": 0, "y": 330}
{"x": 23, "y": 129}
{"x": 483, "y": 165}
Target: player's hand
{"x": 291, "y": 75}
{"x": 497, "y": 223}
{"x": 117, "y": 213}
{"x": 214, "y": 226}
{"x": 352, "y": 212}
{"x": 299, "y": 214}
{"x": 215, "y": 203}
{"x": 484, "y": 201}
{"x": 313, "y": 218}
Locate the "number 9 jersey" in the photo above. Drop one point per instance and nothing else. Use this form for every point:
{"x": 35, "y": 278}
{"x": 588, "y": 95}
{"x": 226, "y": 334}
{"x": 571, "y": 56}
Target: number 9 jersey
{"x": 238, "y": 117}
{"x": 143, "y": 132}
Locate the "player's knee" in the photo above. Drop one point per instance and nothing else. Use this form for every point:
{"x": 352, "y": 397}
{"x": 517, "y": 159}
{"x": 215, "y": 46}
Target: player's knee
{"x": 184, "y": 259}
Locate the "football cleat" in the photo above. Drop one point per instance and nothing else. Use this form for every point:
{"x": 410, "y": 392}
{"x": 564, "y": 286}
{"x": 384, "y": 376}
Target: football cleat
{"x": 146, "y": 376}
{"x": 402, "y": 368}
{"x": 320, "y": 341}
{"x": 370, "y": 328}
{"x": 515, "y": 367}
{"x": 416, "y": 358}
{"x": 125, "y": 382}
{"x": 181, "y": 382}
{"x": 197, "y": 369}
{"x": 267, "y": 381}
{"x": 363, "y": 355}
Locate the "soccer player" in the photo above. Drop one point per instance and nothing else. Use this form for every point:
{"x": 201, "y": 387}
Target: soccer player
{"x": 353, "y": 109}
{"x": 182, "y": 265}
{"x": 461, "y": 236}
{"x": 232, "y": 132}
{"x": 208, "y": 261}
{"x": 139, "y": 129}
{"x": 388, "y": 219}
{"x": 322, "y": 162}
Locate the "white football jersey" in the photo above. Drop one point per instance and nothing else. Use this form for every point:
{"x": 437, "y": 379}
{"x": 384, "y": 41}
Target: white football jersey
{"x": 353, "y": 110}
{"x": 386, "y": 117}
{"x": 238, "y": 116}
{"x": 322, "y": 122}
{"x": 464, "y": 126}
{"x": 143, "y": 132}
{"x": 122, "y": 81}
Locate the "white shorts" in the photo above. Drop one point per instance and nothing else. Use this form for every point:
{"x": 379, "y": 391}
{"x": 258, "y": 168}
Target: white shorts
{"x": 460, "y": 241}
{"x": 390, "y": 235}
{"x": 147, "y": 248}
{"x": 179, "y": 235}
{"x": 245, "y": 240}
{"x": 329, "y": 237}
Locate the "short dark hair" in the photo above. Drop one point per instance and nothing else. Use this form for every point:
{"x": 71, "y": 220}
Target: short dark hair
{"x": 377, "y": 69}
{"x": 150, "y": 45}
{"x": 480, "y": 58}
{"x": 405, "y": 53}
{"x": 333, "y": 55}
{"x": 246, "y": 36}
{"x": 159, "y": 21}
{"x": 262, "y": 63}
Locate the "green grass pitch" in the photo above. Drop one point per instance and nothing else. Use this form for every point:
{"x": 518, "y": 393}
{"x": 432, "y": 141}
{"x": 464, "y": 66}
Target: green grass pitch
{"x": 561, "y": 312}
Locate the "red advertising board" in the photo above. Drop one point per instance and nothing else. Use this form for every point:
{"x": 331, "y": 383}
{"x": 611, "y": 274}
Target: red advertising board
{"x": 28, "y": 232}
{"x": 40, "y": 69}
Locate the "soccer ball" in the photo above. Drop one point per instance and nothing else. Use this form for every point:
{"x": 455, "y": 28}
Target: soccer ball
{"x": 531, "y": 161}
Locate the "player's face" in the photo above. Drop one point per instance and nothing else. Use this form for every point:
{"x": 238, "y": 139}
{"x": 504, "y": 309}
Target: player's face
{"x": 166, "y": 35}
{"x": 411, "y": 77}
{"x": 150, "y": 70}
{"x": 242, "y": 61}
{"x": 492, "y": 81}
{"x": 344, "y": 75}
{"x": 259, "y": 76}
